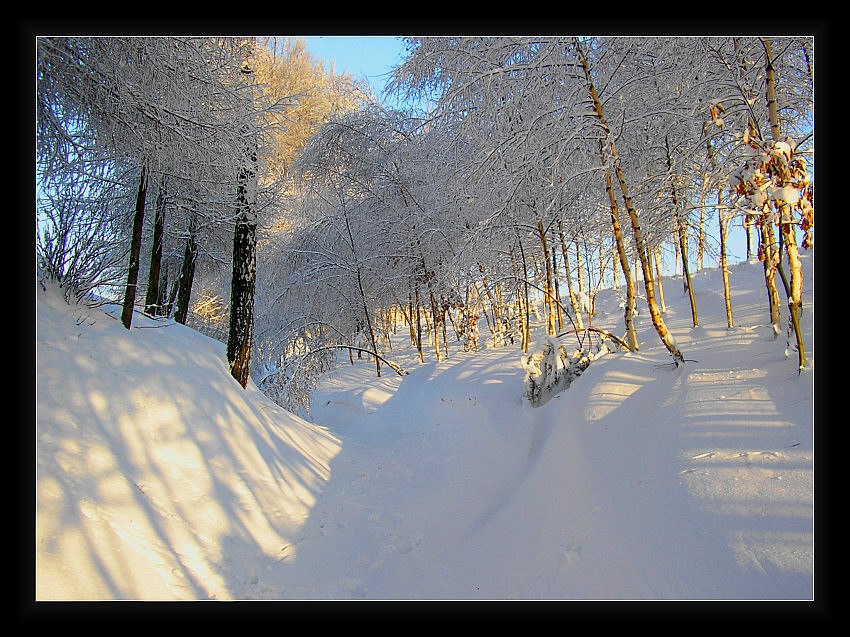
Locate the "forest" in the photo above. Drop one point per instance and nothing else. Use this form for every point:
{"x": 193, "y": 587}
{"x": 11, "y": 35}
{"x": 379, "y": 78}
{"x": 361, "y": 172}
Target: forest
{"x": 238, "y": 186}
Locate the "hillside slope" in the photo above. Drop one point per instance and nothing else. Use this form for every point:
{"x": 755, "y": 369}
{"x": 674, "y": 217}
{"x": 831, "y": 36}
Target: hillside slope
{"x": 159, "y": 478}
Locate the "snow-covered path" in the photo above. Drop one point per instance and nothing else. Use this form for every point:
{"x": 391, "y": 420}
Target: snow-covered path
{"x": 158, "y": 477}
{"x": 640, "y": 482}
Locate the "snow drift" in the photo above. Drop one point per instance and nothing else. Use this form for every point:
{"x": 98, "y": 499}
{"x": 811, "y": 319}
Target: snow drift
{"x": 158, "y": 477}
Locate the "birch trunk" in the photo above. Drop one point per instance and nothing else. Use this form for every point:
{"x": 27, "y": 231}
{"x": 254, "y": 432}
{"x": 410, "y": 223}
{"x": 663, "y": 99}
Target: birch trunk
{"x": 723, "y": 222}
{"x": 654, "y": 312}
{"x": 770, "y": 258}
{"x": 724, "y": 265}
{"x": 631, "y": 297}
{"x": 749, "y": 226}
{"x": 240, "y": 338}
{"x": 656, "y": 255}
{"x": 573, "y": 299}
{"x": 686, "y": 271}
{"x": 243, "y": 278}
{"x": 786, "y": 225}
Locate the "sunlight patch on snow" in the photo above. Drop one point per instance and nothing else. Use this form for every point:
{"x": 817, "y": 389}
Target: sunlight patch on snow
{"x": 78, "y": 581}
{"x": 98, "y": 402}
{"x": 753, "y": 483}
{"x": 374, "y": 397}
{"x": 751, "y": 488}
{"x": 157, "y": 475}
{"x": 609, "y": 394}
{"x": 774, "y": 550}
{"x": 103, "y": 546}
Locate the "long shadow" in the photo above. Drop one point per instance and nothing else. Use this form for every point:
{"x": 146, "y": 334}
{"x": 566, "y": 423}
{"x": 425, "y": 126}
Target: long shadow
{"x": 169, "y": 480}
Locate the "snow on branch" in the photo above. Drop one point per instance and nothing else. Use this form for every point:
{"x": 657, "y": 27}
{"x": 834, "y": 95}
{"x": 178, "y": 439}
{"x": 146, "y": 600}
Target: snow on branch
{"x": 551, "y": 369}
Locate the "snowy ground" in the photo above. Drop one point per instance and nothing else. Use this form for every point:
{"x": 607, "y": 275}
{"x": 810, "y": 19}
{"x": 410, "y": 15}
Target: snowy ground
{"x": 159, "y": 478}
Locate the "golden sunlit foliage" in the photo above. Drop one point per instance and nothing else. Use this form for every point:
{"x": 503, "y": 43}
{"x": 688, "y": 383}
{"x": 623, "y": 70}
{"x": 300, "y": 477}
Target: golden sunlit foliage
{"x": 307, "y": 95}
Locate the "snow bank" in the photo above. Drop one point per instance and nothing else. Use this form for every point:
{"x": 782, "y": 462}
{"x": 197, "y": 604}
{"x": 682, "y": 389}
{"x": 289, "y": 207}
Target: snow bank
{"x": 157, "y": 475}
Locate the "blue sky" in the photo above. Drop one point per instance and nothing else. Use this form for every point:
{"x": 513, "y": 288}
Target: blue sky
{"x": 360, "y": 55}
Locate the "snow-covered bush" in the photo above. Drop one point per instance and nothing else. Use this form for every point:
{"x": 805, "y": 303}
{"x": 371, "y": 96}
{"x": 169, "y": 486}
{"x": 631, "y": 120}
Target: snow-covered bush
{"x": 551, "y": 369}
{"x": 80, "y": 244}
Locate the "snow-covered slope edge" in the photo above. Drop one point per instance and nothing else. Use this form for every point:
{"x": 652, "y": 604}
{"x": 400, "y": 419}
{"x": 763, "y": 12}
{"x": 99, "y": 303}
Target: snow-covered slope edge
{"x": 157, "y": 475}
{"x": 641, "y": 481}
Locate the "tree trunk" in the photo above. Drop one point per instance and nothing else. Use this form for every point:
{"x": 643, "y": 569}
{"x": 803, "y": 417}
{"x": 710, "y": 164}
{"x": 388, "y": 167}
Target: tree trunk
{"x": 615, "y": 273}
{"x": 654, "y": 313}
{"x": 631, "y": 297}
{"x": 495, "y": 309}
{"x": 162, "y": 301}
{"x": 786, "y": 225}
{"x": 568, "y": 276}
{"x": 749, "y": 226}
{"x": 724, "y": 266}
{"x": 770, "y": 258}
{"x": 547, "y": 290}
{"x": 135, "y": 249}
{"x": 677, "y": 249}
{"x": 557, "y": 286}
{"x": 579, "y": 269}
{"x": 241, "y": 329}
{"x": 522, "y": 297}
{"x": 372, "y": 338}
{"x": 701, "y": 234}
{"x": 656, "y": 255}
{"x": 362, "y": 291}
{"x": 418, "y": 327}
{"x": 724, "y": 233}
{"x": 410, "y": 326}
{"x": 152, "y": 297}
{"x": 443, "y": 313}
{"x": 686, "y": 270}
{"x": 240, "y": 338}
{"x": 187, "y": 275}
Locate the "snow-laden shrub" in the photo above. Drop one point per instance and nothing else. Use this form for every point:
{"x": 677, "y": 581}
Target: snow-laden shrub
{"x": 80, "y": 237}
{"x": 551, "y": 369}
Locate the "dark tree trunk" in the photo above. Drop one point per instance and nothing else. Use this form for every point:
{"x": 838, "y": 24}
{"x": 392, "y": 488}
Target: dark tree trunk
{"x": 135, "y": 249}
{"x": 152, "y": 297}
{"x": 187, "y": 277}
{"x": 163, "y": 300}
{"x": 240, "y": 337}
{"x": 419, "y": 351}
{"x": 241, "y": 331}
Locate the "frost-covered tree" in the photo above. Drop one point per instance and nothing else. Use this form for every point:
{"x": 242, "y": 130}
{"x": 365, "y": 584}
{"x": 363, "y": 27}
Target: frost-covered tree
{"x": 159, "y": 106}
{"x": 513, "y": 101}
{"x": 80, "y": 232}
{"x": 321, "y": 282}
{"x": 763, "y": 106}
